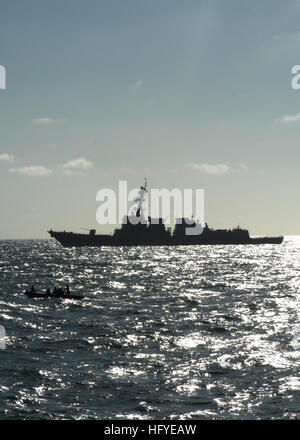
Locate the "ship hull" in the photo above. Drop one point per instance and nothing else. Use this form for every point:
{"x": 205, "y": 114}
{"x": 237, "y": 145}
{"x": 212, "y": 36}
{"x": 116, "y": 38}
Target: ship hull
{"x": 53, "y": 295}
{"x": 69, "y": 239}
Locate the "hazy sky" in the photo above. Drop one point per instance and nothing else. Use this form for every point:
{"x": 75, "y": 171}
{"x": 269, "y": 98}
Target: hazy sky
{"x": 191, "y": 94}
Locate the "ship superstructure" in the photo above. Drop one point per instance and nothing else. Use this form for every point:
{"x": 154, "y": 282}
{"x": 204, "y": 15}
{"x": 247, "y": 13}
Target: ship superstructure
{"x": 137, "y": 230}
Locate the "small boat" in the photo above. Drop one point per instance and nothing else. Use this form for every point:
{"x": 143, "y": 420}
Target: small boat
{"x": 60, "y": 293}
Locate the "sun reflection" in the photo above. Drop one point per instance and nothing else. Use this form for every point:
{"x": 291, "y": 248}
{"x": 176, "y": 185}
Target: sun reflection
{"x": 117, "y": 372}
{"x": 190, "y": 333}
{"x": 190, "y": 341}
{"x": 289, "y": 384}
{"x": 188, "y": 388}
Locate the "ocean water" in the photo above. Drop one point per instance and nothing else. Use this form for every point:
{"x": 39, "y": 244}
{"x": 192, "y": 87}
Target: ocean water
{"x": 163, "y": 332}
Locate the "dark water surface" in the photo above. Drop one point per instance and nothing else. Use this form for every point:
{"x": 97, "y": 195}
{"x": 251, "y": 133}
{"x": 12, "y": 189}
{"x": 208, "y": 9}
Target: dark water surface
{"x": 177, "y": 333}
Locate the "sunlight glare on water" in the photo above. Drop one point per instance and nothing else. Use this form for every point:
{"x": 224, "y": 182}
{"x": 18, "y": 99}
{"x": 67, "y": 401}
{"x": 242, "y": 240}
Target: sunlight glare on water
{"x": 207, "y": 332}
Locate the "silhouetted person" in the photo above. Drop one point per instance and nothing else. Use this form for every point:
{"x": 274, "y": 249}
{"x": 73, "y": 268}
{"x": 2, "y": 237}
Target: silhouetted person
{"x": 55, "y": 289}
{"x": 32, "y": 289}
{"x": 48, "y": 291}
{"x": 68, "y": 289}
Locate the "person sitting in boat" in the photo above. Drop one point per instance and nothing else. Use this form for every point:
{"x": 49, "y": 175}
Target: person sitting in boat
{"x": 67, "y": 289}
{"x": 54, "y": 290}
{"x": 32, "y": 290}
{"x": 48, "y": 291}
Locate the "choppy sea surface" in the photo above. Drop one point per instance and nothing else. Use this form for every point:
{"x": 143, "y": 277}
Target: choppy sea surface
{"x": 204, "y": 332}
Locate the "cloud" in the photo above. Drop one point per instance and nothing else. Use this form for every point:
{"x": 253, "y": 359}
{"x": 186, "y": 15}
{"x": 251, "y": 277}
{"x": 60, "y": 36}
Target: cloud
{"x": 295, "y": 36}
{"x": 137, "y": 85}
{"x": 205, "y": 168}
{"x": 78, "y": 164}
{"x": 46, "y": 121}
{"x": 6, "y": 157}
{"x": 32, "y": 170}
{"x": 243, "y": 166}
{"x": 291, "y": 118}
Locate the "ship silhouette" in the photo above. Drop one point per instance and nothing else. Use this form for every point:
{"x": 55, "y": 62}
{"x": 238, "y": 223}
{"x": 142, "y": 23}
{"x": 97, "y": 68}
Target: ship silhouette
{"x": 137, "y": 231}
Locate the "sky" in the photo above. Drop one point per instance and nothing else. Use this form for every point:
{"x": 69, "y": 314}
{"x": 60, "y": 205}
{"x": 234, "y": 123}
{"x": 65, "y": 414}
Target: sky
{"x": 190, "y": 94}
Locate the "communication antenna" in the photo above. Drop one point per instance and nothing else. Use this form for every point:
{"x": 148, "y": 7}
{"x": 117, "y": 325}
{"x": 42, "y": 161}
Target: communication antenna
{"x": 145, "y": 185}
